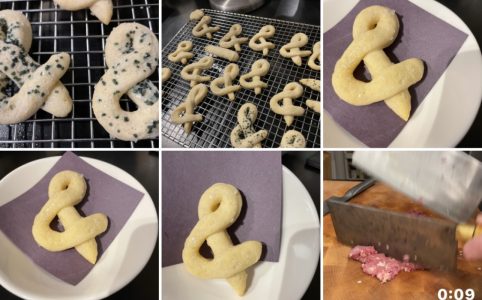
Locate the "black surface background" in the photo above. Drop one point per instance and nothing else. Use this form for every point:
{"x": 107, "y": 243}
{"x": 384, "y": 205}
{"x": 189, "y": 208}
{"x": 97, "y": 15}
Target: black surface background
{"x": 470, "y": 12}
{"x": 300, "y": 163}
{"x": 144, "y": 166}
{"x": 175, "y": 13}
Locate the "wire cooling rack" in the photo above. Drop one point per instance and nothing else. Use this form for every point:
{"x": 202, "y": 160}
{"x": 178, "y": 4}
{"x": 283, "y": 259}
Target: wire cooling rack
{"x": 83, "y": 36}
{"x": 219, "y": 113}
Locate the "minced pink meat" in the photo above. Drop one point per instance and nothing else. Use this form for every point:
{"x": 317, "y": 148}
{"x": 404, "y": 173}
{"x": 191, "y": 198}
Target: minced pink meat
{"x": 410, "y": 267}
{"x": 380, "y": 266}
{"x": 360, "y": 253}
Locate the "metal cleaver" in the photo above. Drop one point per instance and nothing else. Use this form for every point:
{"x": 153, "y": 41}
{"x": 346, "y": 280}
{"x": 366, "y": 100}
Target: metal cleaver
{"x": 447, "y": 182}
{"x": 429, "y": 242}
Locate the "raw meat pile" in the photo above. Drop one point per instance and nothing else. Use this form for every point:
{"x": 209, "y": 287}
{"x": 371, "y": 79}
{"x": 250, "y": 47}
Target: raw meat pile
{"x": 378, "y": 265}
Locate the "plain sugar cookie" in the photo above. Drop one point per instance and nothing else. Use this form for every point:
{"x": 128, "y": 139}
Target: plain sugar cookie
{"x": 259, "y": 41}
{"x": 202, "y": 28}
{"x": 375, "y": 28}
{"x": 292, "y": 49}
{"x": 182, "y": 53}
{"x": 67, "y": 189}
{"x": 184, "y": 113}
{"x": 192, "y": 72}
{"x": 232, "y": 39}
{"x": 219, "y": 206}
{"x": 282, "y": 103}
{"x": 224, "y": 85}
{"x": 252, "y": 80}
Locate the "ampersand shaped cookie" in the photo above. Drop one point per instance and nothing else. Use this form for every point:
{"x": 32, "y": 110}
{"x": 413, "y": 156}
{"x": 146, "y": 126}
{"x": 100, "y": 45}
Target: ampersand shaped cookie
{"x": 202, "y": 27}
{"x": 258, "y": 41}
{"x": 252, "y": 80}
{"x": 39, "y": 85}
{"x": 184, "y": 113}
{"x": 291, "y": 91}
{"x": 224, "y": 85}
{"x": 315, "y": 57}
{"x": 132, "y": 55}
{"x": 219, "y": 206}
{"x": 293, "y": 139}
{"x": 182, "y": 53}
{"x": 292, "y": 49}
{"x": 191, "y": 72}
{"x": 243, "y": 135}
{"x": 313, "y": 84}
{"x": 66, "y": 189}
{"x": 374, "y": 29}
{"x": 231, "y": 38}
{"x": 102, "y": 9}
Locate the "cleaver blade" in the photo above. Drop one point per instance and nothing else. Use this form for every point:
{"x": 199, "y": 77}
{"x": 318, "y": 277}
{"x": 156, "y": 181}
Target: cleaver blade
{"x": 428, "y": 242}
{"x": 448, "y": 182}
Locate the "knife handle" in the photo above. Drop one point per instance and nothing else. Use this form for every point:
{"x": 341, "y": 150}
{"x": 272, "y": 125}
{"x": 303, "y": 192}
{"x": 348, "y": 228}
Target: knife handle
{"x": 351, "y": 193}
{"x": 465, "y": 232}
{"x": 359, "y": 188}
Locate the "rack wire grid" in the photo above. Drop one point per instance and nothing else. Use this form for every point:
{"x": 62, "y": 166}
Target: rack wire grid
{"x": 83, "y": 36}
{"x": 220, "y": 114}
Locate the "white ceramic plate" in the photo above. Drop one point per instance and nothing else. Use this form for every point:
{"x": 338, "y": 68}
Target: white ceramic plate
{"x": 121, "y": 262}
{"x": 449, "y": 109}
{"x": 287, "y": 279}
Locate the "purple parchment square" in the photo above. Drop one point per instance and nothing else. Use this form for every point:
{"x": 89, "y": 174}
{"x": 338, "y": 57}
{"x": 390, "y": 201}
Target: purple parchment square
{"x": 422, "y": 35}
{"x": 105, "y": 194}
{"x": 257, "y": 175}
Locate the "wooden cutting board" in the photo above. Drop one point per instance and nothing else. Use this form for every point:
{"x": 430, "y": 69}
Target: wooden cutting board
{"x": 343, "y": 278}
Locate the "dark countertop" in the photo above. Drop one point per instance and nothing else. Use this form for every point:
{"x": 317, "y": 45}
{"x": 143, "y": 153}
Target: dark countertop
{"x": 300, "y": 162}
{"x": 469, "y": 12}
{"x": 175, "y": 13}
{"x": 144, "y": 166}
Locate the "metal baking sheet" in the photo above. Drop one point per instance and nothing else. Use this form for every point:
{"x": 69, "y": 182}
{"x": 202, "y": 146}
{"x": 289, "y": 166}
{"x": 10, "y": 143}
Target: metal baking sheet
{"x": 83, "y": 36}
{"x": 218, "y": 112}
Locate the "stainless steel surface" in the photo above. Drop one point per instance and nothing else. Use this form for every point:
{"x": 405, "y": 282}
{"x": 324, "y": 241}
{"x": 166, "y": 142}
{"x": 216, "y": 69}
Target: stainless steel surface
{"x": 83, "y": 36}
{"x": 428, "y": 242}
{"x": 219, "y": 113}
{"x": 342, "y": 167}
{"x": 448, "y": 182}
{"x": 240, "y": 6}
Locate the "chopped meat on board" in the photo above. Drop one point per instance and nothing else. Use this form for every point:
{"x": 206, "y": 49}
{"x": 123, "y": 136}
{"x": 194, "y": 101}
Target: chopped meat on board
{"x": 410, "y": 267}
{"x": 378, "y": 265}
{"x": 360, "y": 253}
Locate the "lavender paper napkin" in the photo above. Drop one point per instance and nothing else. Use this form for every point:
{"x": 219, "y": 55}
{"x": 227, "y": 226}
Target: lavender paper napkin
{"x": 105, "y": 194}
{"x": 186, "y": 175}
{"x": 421, "y": 35}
